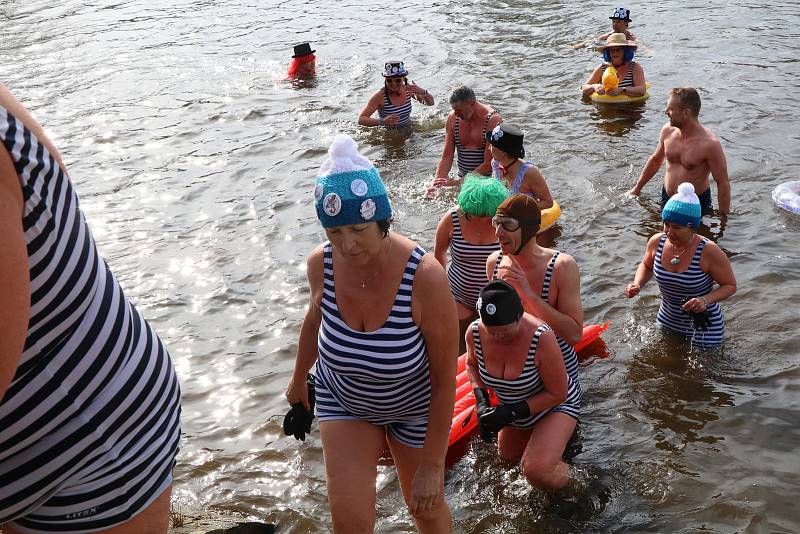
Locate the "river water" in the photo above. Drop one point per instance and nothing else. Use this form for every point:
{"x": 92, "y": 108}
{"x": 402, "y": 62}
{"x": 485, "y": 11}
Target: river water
{"x": 195, "y": 163}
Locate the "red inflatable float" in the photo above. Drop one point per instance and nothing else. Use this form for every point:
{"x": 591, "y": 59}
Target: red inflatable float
{"x": 465, "y": 419}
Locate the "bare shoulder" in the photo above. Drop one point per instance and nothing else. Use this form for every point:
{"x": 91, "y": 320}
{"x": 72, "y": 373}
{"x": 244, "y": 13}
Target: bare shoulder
{"x": 713, "y": 250}
{"x": 450, "y": 124}
{"x": 430, "y": 274}
{"x": 566, "y": 261}
{"x": 652, "y": 243}
{"x": 494, "y": 120}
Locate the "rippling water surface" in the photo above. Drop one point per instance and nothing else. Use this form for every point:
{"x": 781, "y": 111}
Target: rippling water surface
{"x": 194, "y": 162}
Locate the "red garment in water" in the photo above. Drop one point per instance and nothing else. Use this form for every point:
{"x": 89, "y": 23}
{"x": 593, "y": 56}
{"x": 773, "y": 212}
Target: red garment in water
{"x": 294, "y": 66}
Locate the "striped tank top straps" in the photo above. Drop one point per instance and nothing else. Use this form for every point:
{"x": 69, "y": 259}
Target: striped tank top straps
{"x": 466, "y": 272}
{"x": 469, "y": 159}
{"x": 404, "y": 110}
{"x": 523, "y": 168}
{"x": 676, "y": 288}
{"x": 382, "y": 375}
{"x": 628, "y": 80}
{"x": 567, "y": 350}
{"x": 528, "y": 384}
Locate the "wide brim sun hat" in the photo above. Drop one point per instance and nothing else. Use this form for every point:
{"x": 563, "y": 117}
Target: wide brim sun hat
{"x": 617, "y": 40}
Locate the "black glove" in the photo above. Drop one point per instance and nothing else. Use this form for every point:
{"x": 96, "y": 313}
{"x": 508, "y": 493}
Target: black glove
{"x": 701, "y": 320}
{"x": 483, "y": 406}
{"x": 297, "y": 422}
{"x": 494, "y": 419}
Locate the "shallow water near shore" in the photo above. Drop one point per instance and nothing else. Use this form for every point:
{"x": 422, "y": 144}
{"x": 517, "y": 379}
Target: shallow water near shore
{"x": 194, "y": 162}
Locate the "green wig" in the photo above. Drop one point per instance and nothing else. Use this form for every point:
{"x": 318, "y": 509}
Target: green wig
{"x": 480, "y": 195}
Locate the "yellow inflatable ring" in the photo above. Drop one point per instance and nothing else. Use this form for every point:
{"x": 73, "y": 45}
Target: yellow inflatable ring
{"x": 621, "y": 99}
{"x": 549, "y": 217}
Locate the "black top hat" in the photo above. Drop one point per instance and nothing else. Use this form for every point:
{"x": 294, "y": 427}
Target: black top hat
{"x": 302, "y": 49}
{"x": 499, "y": 304}
{"x": 621, "y": 14}
{"x": 507, "y": 138}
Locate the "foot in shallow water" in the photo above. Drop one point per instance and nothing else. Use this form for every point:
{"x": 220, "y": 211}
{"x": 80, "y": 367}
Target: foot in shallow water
{"x": 586, "y": 496}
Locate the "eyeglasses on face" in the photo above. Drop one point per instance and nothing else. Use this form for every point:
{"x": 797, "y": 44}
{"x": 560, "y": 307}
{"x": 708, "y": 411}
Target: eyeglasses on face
{"x": 393, "y": 81}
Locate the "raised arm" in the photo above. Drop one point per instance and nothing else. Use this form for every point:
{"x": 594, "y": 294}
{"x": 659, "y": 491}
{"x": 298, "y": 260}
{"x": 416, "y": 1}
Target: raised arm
{"x": 653, "y": 163}
{"x": 307, "y": 351}
{"x": 565, "y": 316}
{"x": 645, "y": 270}
{"x": 485, "y": 168}
{"x": 718, "y": 166}
{"x": 444, "y": 232}
{"x": 14, "y": 275}
{"x": 434, "y": 310}
{"x": 419, "y": 94}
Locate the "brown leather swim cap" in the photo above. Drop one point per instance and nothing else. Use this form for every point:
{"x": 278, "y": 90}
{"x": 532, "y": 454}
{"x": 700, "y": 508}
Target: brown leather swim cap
{"x": 524, "y": 209}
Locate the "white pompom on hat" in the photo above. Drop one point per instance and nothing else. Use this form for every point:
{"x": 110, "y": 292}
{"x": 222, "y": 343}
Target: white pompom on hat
{"x": 683, "y": 207}
{"x": 349, "y": 189}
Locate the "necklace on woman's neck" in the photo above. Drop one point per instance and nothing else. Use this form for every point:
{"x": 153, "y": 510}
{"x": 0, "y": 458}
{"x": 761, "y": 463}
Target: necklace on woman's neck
{"x": 378, "y": 270}
{"x": 676, "y": 258}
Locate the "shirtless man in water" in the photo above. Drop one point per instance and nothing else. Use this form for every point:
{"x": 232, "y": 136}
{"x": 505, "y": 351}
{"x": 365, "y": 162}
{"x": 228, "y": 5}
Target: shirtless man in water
{"x": 692, "y": 152}
{"x": 464, "y": 135}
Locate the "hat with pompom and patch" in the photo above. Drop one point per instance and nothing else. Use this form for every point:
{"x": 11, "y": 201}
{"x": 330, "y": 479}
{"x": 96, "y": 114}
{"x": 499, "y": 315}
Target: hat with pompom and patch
{"x": 349, "y": 189}
{"x": 683, "y": 208}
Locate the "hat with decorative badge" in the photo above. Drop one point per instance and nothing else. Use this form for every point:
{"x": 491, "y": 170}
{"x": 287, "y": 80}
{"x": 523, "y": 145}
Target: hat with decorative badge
{"x": 621, "y": 14}
{"x": 507, "y": 138}
{"x": 349, "y": 189}
{"x": 394, "y": 68}
{"x": 499, "y": 304}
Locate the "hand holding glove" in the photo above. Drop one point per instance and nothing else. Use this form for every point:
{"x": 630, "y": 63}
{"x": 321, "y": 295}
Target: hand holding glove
{"x": 297, "y": 422}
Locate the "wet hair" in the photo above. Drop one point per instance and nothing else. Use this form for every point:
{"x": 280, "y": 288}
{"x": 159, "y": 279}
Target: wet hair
{"x": 688, "y": 97}
{"x": 384, "y": 226}
{"x": 627, "y": 57}
{"x": 480, "y": 196}
{"x": 462, "y": 94}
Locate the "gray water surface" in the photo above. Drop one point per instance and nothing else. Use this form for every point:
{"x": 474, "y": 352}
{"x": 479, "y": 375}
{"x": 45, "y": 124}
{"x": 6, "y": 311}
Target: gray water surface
{"x": 195, "y": 161}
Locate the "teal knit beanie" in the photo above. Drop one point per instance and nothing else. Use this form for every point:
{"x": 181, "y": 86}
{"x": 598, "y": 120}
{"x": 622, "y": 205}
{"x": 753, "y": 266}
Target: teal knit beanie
{"x": 683, "y": 208}
{"x": 349, "y": 189}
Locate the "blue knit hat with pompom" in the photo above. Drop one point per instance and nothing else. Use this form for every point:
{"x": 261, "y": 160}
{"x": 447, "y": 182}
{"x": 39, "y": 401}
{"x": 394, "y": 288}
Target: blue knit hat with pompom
{"x": 683, "y": 208}
{"x": 349, "y": 189}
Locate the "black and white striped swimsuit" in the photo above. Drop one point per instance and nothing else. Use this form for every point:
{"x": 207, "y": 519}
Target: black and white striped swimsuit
{"x": 628, "y": 80}
{"x": 381, "y": 377}
{"x": 691, "y": 283}
{"x": 527, "y": 384}
{"x": 404, "y": 111}
{"x": 89, "y": 426}
{"x": 466, "y": 271}
{"x": 567, "y": 350}
{"x": 469, "y": 159}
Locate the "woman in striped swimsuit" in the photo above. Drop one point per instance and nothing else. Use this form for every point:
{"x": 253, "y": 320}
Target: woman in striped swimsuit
{"x": 89, "y": 400}
{"x": 548, "y": 281}
{"x": 381, "y": 327}
{"x": 467, "y": 232}
{"x": 618, "y": 52}
{"x": 516, "y": 355}
{"x": 393, "y": 100}
{"x": 519, "y": 176}
{"x": 686, "y": 266}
